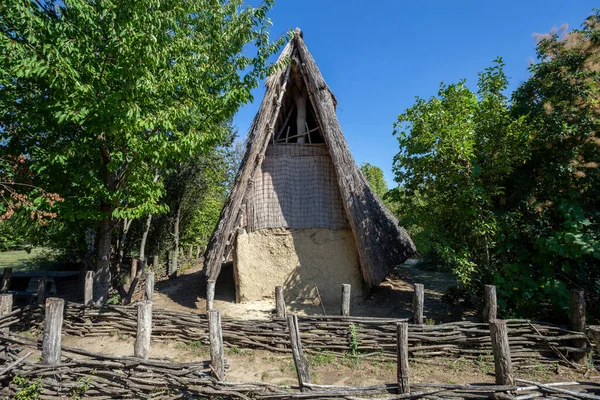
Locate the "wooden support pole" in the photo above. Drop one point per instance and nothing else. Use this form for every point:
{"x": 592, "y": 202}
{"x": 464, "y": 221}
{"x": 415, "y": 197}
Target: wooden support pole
{"x": 133, "y": 269}
{"x": 300, "y": 360}
{"x": 6, "y": 303}
{"x": 502, "y": 361}
{"x": 210, "y": 295}
{"x": 6, "y": 279}
{"x": 41, "y": 291}
{"x": 51, "y": 341}
{"x": 402, "y": 357}
{"x": 88, "y": 289}
{"x": 279, "y": 302}
{"x": 595, "y": 331}
{"x": 217, "y": 362}
{"x": 418, "y": 300}
{"x": 191, "y": 252}
{"x": 141, "y": 348}
{"x": 345, "y": 310}
{"x": 491, "y": 304}
{"x": 149, "y": 293}
{"x": 198, "y": 252}
{"x": 155, "y": 262}
{"x": 578, "y": 324}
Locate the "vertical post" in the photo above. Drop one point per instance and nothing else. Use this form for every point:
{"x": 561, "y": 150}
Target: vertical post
{"x": 279, "y": 302}
{"x": 345, "y": 310}
{"x": 299, "y": 359}
{"x": 133, "y": 269}
{"x": 6, "y": 279}
{"x": 6, "y": 303}
{"x": 418, "y": 300}
{"x": 578, "y": 323}
{"x": 402, "y": 357}
{"x": 191, "y": 252}
{"x": 217, "y": 361}
{"x": 595, "y": 331}
{"x": 491, "y": 304}
{"x": 155, "y": 262}
{"x": 502, "y": 361}
{"x": 197, "y": 251}
{"x": 52, "y": 331}
{"x": 88, "y": 289}
{"x": 149, "y": 293}
{"x": 210, "y": 295}
{"x": 41, "y": 291}
{"x": 141, "y": 347}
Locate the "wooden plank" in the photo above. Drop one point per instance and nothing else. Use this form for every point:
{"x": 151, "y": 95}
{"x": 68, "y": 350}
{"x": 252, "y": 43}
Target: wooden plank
{"x": 501, "y": 349}
{"x": 216, "y": 345}
{"x": 141, "y": 347}
{"x": 402, "y": 357}
{"x": 345, "y": 309}
{"x": 279, "y": 302}
{"x": 51, "y": 341}
{"x": 418, "y": 300}
{"x": 300, "y": 360}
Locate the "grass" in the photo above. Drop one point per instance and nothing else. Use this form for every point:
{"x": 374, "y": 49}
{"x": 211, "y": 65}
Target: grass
{"x": 37, "y": 258}
{"x": 195, "y": 347}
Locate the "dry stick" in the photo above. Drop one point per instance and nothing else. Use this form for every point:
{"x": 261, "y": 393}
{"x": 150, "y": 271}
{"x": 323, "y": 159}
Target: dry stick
{"x": 554, "y": 349}
{"x": 279, "y": 302}
{"x": 402, "y": 357}
{"x": 418, "y": 300}
{"x": 491, "y": 305}
{"x": 41, "y": 291}
{"x": 88, "y": 289}
{"x": 345, "y": 311}
{"x": 300, "y": 360}
{"x": 320, "y": 300}
{"x": 216, "y": 345}
{"x": 578, "y": 323}
{"x": 52, "y": 331}
{"x": 149, "y": 293}
{"x": 6, "y": 279}
{"x": 14, "y": 363}
{"x": 502, "y": 361}
{"x": 6, "y": 303}
{"x": 141, "y": 348}
{"x": 549, "y": 388}
{"x": 210, "y": 295}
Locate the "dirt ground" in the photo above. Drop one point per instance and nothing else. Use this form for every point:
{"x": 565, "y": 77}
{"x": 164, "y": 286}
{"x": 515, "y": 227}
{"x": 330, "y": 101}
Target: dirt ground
{"x": 392, "y": 299}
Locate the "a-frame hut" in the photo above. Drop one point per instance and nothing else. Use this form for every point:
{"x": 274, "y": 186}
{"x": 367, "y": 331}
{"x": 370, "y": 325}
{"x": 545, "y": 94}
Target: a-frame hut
{"x": 300, "y": 212}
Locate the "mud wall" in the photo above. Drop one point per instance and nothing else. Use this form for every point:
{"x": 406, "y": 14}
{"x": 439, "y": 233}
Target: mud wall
{"x": 296, "y": 259}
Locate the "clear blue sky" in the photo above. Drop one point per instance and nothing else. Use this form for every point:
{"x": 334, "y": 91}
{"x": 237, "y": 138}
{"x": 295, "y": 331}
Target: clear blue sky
{"x": 378, "y": 55}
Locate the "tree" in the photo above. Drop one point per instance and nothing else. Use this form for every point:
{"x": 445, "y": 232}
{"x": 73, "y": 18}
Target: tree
{"x": 374, "y": 176}
{"x": 100, "y": 94}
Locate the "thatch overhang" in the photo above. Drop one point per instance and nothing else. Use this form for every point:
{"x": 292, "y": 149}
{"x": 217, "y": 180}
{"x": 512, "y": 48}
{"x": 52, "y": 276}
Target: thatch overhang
{"x": 381, "y": 242}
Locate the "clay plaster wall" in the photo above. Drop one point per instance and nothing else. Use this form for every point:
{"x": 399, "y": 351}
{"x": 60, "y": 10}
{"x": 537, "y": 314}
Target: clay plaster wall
{"x": 296, "y": 259}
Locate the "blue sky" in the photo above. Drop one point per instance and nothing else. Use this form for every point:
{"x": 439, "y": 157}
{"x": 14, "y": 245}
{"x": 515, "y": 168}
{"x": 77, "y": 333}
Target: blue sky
{"x": 378, "y": 55}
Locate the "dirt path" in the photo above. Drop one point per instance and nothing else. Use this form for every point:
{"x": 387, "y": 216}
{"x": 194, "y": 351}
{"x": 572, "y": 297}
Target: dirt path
{"x": 392, "y": 299}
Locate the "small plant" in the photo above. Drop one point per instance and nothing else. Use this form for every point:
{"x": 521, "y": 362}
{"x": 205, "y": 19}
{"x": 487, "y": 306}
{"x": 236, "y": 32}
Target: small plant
{"x": 354, "y": 343}
{"x": 264, "y": 376}
{"x": 429, "y": 321}
{"x": 27, "y": 390}
{"x": 320, "y": 359}
{"x": 196, "y": 347}
{"x": 114, "y": 299}
{"x": 235, "y": 350}
{"x": 78, "y": 392}
{"x": 350, "y": 360}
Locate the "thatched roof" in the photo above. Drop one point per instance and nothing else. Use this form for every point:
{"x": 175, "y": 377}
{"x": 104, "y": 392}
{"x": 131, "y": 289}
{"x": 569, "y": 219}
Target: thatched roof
{"x": 381, "y": 242}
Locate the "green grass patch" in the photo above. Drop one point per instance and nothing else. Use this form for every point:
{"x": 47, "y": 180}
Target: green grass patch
{"x": 38, "y": 258}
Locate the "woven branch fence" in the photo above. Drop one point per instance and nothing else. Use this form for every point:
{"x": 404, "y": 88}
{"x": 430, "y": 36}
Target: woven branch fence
{"x": 531, "y": 343}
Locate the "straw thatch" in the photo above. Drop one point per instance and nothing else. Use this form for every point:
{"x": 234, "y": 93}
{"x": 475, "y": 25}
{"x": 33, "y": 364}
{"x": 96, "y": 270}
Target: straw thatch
{"x": 381, "y": 242}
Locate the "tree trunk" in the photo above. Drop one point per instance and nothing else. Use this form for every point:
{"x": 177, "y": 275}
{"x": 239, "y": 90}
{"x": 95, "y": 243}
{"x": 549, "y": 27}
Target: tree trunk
{"x": 176, "y": 240}
{"x": 102, "y": 275}
{"x": 144, "y": 238}
{"x": 121, "y": 246}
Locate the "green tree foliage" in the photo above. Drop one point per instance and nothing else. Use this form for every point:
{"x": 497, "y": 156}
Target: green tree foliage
{"x": 100, "y": 94}
{"x": 374, "y": 176}
{"x": 508, "y": 191}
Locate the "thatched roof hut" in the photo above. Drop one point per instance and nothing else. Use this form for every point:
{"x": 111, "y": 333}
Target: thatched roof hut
{"x": 298, "y": 173}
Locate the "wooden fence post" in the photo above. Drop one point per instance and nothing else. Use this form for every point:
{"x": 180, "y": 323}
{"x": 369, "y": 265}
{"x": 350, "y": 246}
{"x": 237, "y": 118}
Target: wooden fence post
{"x": 6, "y": 303}
{"x": 595, "y": 331}
{"x": 149, "y": 293}
{"x": 502, "y": 361}
{"x": 217, "y": 362}
{"x": 133, "y": 269}
{"x": 41, "y": 291}
{"x": 300, "y": 360}
{"x": 279, "y": 302}
{"x": 418, "y": 300}
{"x": 197, "y": 252}
{"x": 210, "y": 295}
{"x": 578, "y": 324}
{"x": 6, "y": 279}
{"x": 345, "y": 310}
{"x": 491, "y": 304}
{"x": 51, "y": 341}
{"x": 191, "y": 252}
{"x": 155, "y": 262}
{"x": 88, "y": 289}
{"x": 402, "y": 357}
{"x": 141, "y": 347}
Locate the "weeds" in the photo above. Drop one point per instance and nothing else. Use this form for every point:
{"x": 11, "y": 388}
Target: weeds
{"x": 27, "y": 390}
{"x": 78, "y": 392}
{"x": 321, "y": 359}
{"x": 196, "y": 347}
{"x": 354, "y": 343}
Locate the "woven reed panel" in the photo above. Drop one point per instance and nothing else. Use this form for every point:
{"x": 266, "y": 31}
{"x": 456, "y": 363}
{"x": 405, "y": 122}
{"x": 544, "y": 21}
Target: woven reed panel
{"x": 295, "y": 188}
